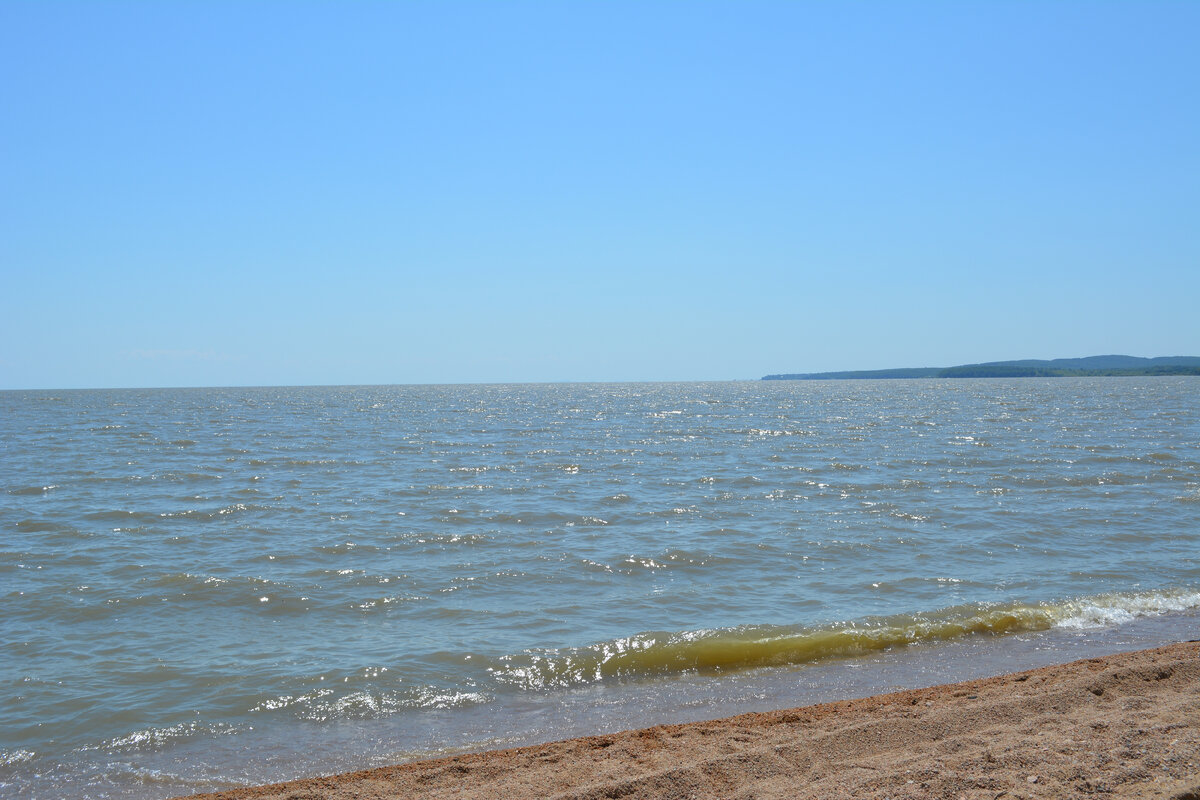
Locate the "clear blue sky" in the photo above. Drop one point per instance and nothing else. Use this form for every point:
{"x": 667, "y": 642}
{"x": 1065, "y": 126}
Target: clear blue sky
{"x": 223, "y": 193}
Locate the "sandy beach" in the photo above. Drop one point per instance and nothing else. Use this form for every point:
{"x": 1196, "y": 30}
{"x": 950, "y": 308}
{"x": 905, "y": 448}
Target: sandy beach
{"x": 1124, "y": 726}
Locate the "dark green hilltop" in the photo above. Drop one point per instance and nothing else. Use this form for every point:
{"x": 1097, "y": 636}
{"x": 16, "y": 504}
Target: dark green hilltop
{"x": 1090, "y": 366}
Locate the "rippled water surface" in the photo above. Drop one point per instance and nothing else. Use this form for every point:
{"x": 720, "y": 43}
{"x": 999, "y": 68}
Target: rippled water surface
{"x": 203, "y": 587}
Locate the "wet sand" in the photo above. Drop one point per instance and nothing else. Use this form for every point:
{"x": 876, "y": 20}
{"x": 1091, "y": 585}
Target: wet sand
{"x": 1121, "y": 726}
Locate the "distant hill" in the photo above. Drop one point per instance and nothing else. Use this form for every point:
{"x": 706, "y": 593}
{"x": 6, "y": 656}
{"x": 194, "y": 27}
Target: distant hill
{"x": 1091, "y": 366}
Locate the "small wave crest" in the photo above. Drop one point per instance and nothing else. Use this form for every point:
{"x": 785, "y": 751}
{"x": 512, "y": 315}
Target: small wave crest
{"x": 156, "y": 738}
{"x": 270, "y": 597}
{"x": 10, "y": 757}
{"x": 325, "y": 704}
{"x": 27, "y": 491}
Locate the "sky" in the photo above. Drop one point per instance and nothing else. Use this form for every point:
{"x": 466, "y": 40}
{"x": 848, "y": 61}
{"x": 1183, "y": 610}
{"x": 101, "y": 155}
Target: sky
{"x": 279, "y": 193}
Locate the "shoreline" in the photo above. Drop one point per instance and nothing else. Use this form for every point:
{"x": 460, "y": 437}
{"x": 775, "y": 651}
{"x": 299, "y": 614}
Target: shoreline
{"x": 1124, "y": 725}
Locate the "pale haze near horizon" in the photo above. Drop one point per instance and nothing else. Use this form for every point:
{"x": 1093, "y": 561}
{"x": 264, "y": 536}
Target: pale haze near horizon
{"x": 262, "y": 194}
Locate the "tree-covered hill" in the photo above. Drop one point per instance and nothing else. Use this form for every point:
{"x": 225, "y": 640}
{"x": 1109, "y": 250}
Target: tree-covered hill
{"x": 1091, "y": 366}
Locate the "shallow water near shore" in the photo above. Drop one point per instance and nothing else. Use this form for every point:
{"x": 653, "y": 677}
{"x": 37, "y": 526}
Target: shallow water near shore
{"x": 217, "y": 586}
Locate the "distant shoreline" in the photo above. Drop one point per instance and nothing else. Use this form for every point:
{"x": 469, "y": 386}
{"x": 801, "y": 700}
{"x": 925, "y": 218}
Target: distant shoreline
{"x": 1089, "y": 367}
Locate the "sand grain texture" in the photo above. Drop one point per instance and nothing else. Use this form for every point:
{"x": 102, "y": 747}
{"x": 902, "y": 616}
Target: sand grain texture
{"x": 1123, "y": 726}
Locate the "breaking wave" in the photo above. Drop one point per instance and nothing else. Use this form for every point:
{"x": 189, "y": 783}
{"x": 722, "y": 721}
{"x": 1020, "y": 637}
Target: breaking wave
{"x": 713, "y": 650}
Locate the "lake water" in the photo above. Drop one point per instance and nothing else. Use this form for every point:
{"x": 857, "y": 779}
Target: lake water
{"x": 209, "y": 587}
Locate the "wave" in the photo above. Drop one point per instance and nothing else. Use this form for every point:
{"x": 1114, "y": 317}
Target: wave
{"x": 26, "y": 491}
{"x": 155, "y": 738}
{"x": 657, "y": 653}
{"x": 17, "y": 756}
{"x": 273, "y": 598}
{"x": 326, "y": 704}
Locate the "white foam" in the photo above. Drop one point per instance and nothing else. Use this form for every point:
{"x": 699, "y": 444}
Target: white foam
{"x": 1118, "y": 609}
